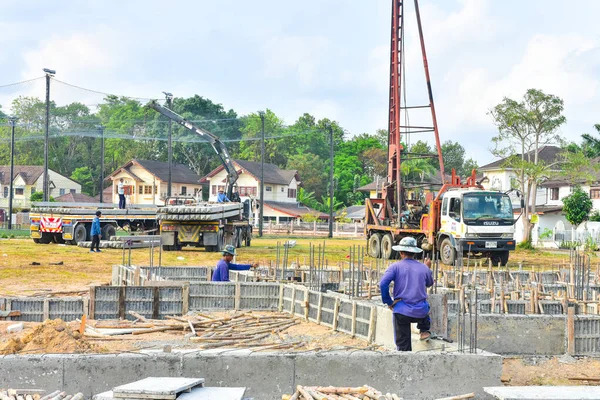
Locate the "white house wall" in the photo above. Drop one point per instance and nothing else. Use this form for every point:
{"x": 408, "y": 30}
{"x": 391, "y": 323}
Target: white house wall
{"x": 62, "y": 184}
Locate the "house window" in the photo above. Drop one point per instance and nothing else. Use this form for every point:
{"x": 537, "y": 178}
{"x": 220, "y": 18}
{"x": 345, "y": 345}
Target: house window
{"x": 62, "y": 191}
{"x": 141, "y": 189}
{"x": 32, "y": 191}
{"x": 73, "y": 191}
{"x": 197, "y": 192}
{"x": 554, "y": 194}
{"x": 268, "y": 188}
{"x": 282, "y": 188}
{"x": 247, "y": 191}
{"x": 217, "y": 187}
{"x": 183, "y": 190}
{"x": 147, "y": 189}
{"x": 594, "y": 193}
{"x": 292, "y": 193}
{"x": 19, "y": 192}
{"x": 5, "y": 191}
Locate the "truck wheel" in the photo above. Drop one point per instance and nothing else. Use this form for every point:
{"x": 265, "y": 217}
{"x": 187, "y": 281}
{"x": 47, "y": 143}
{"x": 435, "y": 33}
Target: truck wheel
{"x": 375, "y": 245}
{"x": 58, "y": 238}
{"x": 46, "y": 238}
{"x": 108, "y": 231}
{"x": 237, "y": 238}
{"x": 447, "y": 252}
{"x": 386, "y": 246}
{"x": 499, "y": 257}
{"x": 80, "y": 234}
{"x": 36, "y": 241}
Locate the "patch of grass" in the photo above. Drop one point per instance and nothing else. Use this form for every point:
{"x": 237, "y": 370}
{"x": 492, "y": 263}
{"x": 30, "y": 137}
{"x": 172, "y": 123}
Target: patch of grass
{"x": 14, "y": 233}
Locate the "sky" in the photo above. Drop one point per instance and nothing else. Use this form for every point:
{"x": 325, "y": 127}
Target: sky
{"x": 329, "y": 58}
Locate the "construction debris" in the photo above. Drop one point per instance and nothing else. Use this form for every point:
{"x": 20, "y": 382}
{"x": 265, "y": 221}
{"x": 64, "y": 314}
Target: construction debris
{"x": 35, "y": 394}
{"x": 330, "y": 392}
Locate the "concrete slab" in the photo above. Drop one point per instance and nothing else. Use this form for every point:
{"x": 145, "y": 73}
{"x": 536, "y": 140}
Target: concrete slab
{"x": 201, "y": 393}
{"x": 156, "y": 387}
{"x": 544, "y": 392}
{"x": 42, "y": 371}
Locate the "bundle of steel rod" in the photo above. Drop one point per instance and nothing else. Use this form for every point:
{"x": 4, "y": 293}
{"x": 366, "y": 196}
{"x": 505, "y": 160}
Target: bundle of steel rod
{"x": 330, "y": 392}
{"x": 36, "y": 394}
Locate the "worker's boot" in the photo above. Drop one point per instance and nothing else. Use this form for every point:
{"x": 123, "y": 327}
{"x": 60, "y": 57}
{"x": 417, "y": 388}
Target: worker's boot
{"x": 424, "y": 335}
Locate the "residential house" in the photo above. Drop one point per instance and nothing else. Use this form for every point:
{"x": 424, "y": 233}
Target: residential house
{"x": 146, "y": 182}
{"x": 76, "y": 198}
{"x": 548, "y": 206}
{"x": 28, "y": 179}
{"x": 280, "y": 190}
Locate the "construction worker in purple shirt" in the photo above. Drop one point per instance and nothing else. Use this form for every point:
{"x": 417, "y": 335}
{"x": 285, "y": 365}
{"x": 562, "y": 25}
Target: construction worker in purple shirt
{"x": 221, "y": 273}
{"x": 409, "y": 303}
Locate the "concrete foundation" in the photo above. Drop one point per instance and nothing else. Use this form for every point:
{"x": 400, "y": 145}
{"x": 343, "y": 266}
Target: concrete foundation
{"x": 267, "y": 376}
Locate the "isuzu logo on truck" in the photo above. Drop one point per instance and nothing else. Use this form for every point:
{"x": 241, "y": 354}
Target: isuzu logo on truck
{"x": 491, "y": 223}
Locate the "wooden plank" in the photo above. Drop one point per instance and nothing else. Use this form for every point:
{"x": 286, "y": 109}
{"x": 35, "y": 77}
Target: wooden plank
{"x": 571, "y": 330}
{"x": 122, "y": 302}
{"x": 155, "y": 302}
{"x": 92, "y": 313}
{"x": 320, "y": 308}
{"x": 185, "y": 294}
{"x": 46, "y": 308}
{"x": 353, "y": 329}
{"x": 372, "y": 324}
{"x": 293, "y": 302}
{"x": 280, "y": 305}
{"x": 238, "y": 296}
{"x": 336, "y": 313}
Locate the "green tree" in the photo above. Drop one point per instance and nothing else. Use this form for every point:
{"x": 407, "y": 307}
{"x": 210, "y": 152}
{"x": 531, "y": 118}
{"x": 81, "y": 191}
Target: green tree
{"x": 423, "y": 149}
{"x": 523, "y": 127}
{"x": 577, "y": 206}
{"x": 312, "y": 171}
{"x": 454, "y": 156}
{"x": 83, "y": 176}
{"x": 591, "y": 145}
{"x": 468, "y": 166}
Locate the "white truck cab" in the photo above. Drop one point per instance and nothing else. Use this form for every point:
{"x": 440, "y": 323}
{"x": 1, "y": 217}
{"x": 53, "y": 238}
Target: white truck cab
{"x": 476, "y": 221}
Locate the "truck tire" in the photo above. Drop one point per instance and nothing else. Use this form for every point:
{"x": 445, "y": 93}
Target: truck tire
{"x": 499, "y": 257}
{"x": 375, "y": 245}
{"x": 108, "y": 230}
{"x": 79, "y": 234}
{"x": 386, "y": 246}
{"x": 248, "y": 239}
{"x": 447, "y": 252}
{"x": 46, "y": 238}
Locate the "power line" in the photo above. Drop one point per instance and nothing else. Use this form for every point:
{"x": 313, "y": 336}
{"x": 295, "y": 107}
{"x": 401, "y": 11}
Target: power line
{"x": 21, "y": 82}
{"x": 103, "y": 93}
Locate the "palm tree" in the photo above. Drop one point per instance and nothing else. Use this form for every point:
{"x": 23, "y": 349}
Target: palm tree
{"x": 417, "y": 169}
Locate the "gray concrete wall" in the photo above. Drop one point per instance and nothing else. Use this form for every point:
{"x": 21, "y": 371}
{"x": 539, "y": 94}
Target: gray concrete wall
{"x": 267, "y": 376}
{"x": 517, "y": 334}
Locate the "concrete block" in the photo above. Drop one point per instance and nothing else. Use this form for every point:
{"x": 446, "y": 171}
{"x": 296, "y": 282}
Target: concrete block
{"x": 265, "y": 376}
{"x": 410, "y": 375}
{"x": 517, "y": 334}
{"x": 545, "y": 392}
{"x": 33, "y": 371}
{"x": 94, "y": 373}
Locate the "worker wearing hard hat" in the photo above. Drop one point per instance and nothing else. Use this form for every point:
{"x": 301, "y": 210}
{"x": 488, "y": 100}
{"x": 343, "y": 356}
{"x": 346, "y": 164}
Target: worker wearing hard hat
{"x": 409, "y": 303}
{"x": 222, "y": 197}
{"x": 221, "y": 273}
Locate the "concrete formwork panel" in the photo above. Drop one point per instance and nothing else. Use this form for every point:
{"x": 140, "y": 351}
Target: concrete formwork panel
{"x": 517, "y": 334}
{"x": 259, "y": 296}
{"x": 212, "y": 296}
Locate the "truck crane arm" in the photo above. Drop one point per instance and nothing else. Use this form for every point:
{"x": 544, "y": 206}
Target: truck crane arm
{"x": 215, "y": 142}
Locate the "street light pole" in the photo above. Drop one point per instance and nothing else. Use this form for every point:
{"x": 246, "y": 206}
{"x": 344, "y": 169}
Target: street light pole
{"x": 330, "y": 181}
{"x": 12, "y": 121}
{"x": 169, "y": 98}
{"x": 101, "y": 131}
{"x": 262, "y": 173}
{"x": 49, "y": 73}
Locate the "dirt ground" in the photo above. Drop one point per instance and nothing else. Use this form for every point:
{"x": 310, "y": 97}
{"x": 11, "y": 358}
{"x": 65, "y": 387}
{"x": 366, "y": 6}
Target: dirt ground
{"x": 62, "y": 268}
{"x": 553, "y": 371}
{"x": 58, "y": 337}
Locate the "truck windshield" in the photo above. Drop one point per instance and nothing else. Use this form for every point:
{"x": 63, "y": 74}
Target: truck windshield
{"x": 487, "y": 206}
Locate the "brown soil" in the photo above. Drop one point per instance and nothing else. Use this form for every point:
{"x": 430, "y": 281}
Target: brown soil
{"x": 558, "y": 371}
{"x": 51, "y": 336}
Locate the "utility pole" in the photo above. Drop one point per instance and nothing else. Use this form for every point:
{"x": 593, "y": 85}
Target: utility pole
{"x": 49, "y": 73}
{"x": 330, "y": 180}
{"x": 12, "y": 121}
{"x": 262, "y": 173}
{"x": 101, "y": 131}
{"x": 169, "y": 98}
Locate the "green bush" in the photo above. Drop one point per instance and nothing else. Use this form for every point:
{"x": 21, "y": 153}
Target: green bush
{"x": 546, "y": 233}
{"x": 595, "y": 216}
{"x": 526, "y": 245}
{"x": 568, "y": 244}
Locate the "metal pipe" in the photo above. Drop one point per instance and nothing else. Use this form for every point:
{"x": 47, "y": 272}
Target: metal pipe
{"x": 262, "y": 173}
{"x": 13, "y": 122}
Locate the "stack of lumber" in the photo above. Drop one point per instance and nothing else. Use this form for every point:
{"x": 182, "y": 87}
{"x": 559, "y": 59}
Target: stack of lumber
{"x": 244, "y": 329}
{"x": 35, "y": 394}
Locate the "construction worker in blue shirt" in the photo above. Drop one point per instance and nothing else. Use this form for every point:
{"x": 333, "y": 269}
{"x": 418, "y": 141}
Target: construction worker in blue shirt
{"x": 222, "y": 197}
{"x": 409, "y": 303}
{"x": 96, "y": 232}
{"x": 221, "y": 273}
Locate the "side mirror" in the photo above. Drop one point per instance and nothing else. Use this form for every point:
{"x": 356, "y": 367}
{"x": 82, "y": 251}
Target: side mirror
{"x": 522, "y": 203}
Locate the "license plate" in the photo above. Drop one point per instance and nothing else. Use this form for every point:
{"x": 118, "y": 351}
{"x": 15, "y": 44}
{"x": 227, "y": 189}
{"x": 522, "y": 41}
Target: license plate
{"x": 491, "y": 245}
